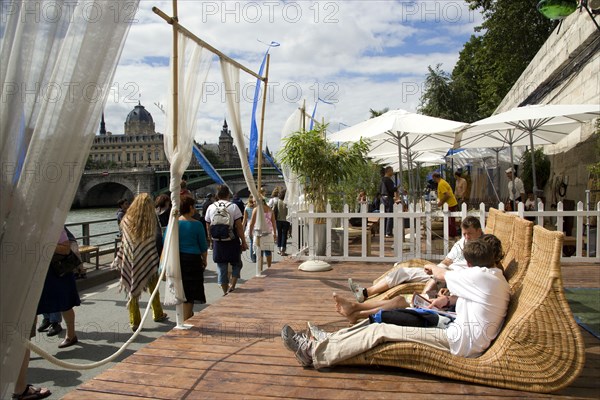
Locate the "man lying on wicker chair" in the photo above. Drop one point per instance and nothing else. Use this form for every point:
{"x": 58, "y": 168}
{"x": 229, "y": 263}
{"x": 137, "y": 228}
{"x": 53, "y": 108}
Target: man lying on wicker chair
{"x": 471, "y": 229}
{"x": 480, "y": 294}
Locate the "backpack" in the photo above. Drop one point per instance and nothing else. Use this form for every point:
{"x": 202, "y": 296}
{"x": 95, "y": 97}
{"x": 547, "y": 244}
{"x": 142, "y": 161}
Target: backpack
{"x": 221, "y": 223}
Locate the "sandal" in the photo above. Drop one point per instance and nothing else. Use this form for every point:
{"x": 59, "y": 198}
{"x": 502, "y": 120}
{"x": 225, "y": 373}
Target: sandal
{"x": 32, "y": 393}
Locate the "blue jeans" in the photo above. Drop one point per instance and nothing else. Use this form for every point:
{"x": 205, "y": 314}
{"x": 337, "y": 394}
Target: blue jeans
{"x": 283, "y": 228}
{"x": 222, "y": 272}
{"x": 55, "y": 317}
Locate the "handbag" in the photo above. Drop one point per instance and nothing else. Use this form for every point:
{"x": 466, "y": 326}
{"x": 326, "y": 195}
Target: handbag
{"x": 64, "y": 264}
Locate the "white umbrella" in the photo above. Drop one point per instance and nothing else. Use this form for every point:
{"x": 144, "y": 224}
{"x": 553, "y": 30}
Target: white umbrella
{"x": 403, "y": 129}
{"x": 528, "y": 125}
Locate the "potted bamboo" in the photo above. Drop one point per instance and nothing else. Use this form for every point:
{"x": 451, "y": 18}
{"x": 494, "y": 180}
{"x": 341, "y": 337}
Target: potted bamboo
{"x": 320, "y": 164}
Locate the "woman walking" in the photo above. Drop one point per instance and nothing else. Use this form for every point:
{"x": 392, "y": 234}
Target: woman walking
{"x": 138, "y": 258}
{"x": 192, "y": 256}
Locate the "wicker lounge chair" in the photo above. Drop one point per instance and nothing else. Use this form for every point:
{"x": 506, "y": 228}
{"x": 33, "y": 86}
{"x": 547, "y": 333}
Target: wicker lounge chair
{"x": 490, "y": 223}
{"x": 517, "y": 253}
{"x": 539, "y": 349}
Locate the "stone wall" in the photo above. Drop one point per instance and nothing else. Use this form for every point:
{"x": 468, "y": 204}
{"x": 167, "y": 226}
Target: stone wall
{"x": 566, "y": 70}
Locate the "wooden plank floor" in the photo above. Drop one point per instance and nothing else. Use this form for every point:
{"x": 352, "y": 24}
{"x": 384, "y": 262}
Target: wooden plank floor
{"x": 234, "y": 350}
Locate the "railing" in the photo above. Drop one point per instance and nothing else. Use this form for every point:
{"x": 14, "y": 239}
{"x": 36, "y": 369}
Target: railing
{"x": 326, "y": 235}
{"x": 98, "y": 232}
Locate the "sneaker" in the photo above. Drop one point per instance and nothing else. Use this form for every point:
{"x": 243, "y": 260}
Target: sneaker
{"x": 317, "y": 333}
{"x": 44, "y": 325}
{"x": 356, "y": 290}
{"x": 298, "y": 343}
{"x": 55, "y": 329}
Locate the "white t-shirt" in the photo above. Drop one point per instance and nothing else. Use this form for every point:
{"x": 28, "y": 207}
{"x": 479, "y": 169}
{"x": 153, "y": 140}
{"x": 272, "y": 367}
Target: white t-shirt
{"x": 483, "y": 296}
{"x": 233, "y": 209}
{"x": 456, "y": 255}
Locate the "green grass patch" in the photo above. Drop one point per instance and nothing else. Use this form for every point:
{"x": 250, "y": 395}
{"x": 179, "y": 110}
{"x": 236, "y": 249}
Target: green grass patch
{"x": 585, "y": 305}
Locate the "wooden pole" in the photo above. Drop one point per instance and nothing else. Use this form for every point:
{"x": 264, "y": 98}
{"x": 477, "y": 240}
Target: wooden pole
{"x": 175, "y": 75}
{"x": 202, "y": 43}
{"x": 262, "y": 126}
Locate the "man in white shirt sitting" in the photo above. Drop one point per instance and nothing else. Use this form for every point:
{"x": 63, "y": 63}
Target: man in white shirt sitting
{"x": 480, "y": 294}
{"x": 471, "y": 229}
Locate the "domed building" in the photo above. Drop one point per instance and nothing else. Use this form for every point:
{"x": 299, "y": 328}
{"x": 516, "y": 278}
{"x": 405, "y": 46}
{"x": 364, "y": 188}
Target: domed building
{"x": 140, "y": 146}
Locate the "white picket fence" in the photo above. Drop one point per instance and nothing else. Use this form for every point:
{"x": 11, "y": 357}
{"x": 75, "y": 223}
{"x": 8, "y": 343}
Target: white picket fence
{"x": 326, "y": 235}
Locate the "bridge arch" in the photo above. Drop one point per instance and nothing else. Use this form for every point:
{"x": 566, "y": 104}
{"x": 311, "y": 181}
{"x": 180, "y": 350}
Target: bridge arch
{"x": 106, "y": 194}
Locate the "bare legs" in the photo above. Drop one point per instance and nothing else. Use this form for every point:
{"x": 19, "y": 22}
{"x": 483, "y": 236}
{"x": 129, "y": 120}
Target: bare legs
{"x": 356, "y": 311}
{"x": 69, "y": 317}
{"x": 377, "y": 288}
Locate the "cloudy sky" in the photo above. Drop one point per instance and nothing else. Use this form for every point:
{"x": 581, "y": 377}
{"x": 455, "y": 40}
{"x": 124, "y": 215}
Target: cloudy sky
{"x": 354, "y": 54}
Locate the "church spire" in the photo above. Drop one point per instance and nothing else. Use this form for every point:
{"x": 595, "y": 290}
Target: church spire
{"x": 102, "y": 125}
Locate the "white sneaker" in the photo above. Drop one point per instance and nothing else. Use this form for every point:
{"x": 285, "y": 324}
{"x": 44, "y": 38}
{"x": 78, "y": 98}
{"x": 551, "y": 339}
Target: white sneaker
{"x": 317, "y": 333}
{"x": 356, "y": 290}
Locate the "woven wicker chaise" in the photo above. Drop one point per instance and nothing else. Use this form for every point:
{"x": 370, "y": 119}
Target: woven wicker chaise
{"x": 539, "y": 349}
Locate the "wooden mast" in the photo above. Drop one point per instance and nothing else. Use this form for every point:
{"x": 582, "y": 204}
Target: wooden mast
{"x": 173, "y": 22}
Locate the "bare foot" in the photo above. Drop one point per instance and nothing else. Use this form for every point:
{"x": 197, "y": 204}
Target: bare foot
{"x": 343, "y": 306}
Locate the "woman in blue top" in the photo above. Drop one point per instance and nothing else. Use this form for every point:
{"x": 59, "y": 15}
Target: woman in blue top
{"x": 192, "y": 254}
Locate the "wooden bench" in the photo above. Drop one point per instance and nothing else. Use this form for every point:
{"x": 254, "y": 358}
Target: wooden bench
{"x": 87, "y": 251}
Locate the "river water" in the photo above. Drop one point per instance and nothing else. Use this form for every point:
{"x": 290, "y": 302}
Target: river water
{"x": 93, "y": 214}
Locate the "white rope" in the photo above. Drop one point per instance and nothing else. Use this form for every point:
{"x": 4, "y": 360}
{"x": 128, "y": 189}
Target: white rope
{"x": 76, "y": 366}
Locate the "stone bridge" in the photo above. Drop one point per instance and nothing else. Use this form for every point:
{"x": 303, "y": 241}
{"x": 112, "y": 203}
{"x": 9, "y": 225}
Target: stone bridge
{"x": 105, "y": 188}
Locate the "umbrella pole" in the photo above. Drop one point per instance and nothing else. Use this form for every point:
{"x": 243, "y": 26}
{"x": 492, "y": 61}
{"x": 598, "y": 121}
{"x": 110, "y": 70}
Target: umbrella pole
{"x": 535, "y": 189}
{"x": 512, "y": 166}
{"x": 399, "y": 158}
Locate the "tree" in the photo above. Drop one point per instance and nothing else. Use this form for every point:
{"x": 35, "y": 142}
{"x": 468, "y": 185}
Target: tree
{"x": 489, "y": 64}
{"x": 377, "y": 113}
{"x": 320, "y": 163}
{"x": 438, "y": 99}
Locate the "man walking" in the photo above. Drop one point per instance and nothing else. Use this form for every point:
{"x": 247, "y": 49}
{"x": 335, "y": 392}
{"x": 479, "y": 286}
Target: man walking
{"x": 445, "y": 195}
{"x": 227, "y": 249}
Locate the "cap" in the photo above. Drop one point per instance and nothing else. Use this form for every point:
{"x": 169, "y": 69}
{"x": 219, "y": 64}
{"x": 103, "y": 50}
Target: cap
{"x": 509, "y": 170}
{"x": 208, "y": 195}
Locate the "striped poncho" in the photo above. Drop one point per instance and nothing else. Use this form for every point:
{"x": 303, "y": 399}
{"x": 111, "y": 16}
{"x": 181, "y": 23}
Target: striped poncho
{"x": 138, "y": 262}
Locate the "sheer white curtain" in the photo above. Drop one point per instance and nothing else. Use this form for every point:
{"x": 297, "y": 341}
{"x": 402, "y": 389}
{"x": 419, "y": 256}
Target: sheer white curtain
{"x": 231, "y": 79}
{"x": 294, "y": 191}
{"x": 56, "y": 70}
{"x": 193, "y": 66}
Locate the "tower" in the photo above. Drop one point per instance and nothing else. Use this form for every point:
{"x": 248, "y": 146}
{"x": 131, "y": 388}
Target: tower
{"x": 226, "y": 148}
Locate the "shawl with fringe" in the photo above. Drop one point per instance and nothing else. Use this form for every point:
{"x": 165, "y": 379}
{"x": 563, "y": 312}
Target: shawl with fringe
{"x": 138, "y": 262}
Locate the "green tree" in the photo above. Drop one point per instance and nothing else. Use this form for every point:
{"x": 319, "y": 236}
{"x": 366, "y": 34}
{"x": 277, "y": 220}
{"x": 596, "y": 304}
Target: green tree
{"x": 438, "y": 99}
{"x": 514, "y": 31}
{"x": 377, "y": 113}
{"x": 489, "y": 64}
{"x": 320, "y": 163}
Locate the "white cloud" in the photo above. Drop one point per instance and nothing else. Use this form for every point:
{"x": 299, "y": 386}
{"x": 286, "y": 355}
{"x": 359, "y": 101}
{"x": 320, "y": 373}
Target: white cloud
{"x": 359, "y": 54}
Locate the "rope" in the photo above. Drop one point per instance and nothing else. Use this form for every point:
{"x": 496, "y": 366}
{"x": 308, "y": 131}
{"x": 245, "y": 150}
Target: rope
{"x": 76, "y": 366}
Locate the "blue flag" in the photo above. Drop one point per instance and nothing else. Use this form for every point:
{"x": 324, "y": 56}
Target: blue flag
{"x": 207, "y": 166}
{"x": 253, "y": 146}
{"x": 272, "y": 162}
{"x": 312, "y": 117}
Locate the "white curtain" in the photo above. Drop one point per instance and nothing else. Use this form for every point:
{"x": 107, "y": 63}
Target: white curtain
{"x": 193, "y": 66}
{"x": 231, "y": 79}
{"x": 55, "y": 70}
{"x": 294, "y": 191}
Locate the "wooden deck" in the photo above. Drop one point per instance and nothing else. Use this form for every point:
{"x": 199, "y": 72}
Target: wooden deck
{"x": 234, "y": 350}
